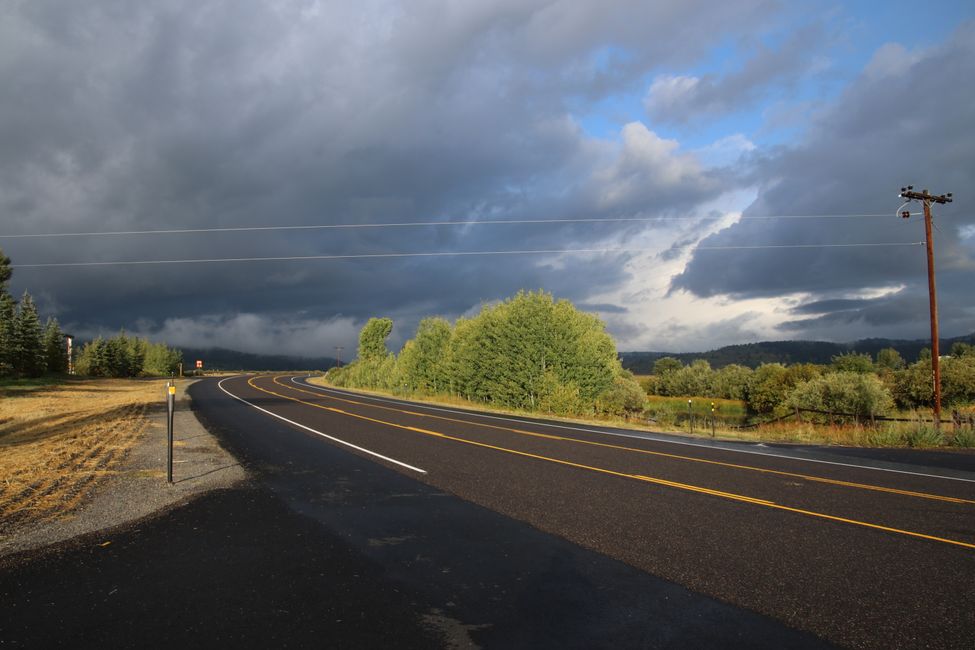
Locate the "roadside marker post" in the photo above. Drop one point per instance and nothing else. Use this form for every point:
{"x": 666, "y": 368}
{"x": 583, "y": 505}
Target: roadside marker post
{"x": 690, "y": 417}
{"x": 712, "y": 419}
{"x": 170, "y": 409}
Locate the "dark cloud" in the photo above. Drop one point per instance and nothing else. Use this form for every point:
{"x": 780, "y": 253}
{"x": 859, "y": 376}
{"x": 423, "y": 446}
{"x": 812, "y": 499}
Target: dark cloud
{"x": 130, "y": 116}
{"x": 834, "y": 305}
{"x": 905, "y": 120}
{"x": 602, "y": 308}
{"x": 905, "y": 310}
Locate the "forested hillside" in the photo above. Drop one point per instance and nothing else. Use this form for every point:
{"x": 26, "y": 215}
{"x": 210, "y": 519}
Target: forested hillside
{"x": 224, "y": 359}
{"x": 785, "y": 352}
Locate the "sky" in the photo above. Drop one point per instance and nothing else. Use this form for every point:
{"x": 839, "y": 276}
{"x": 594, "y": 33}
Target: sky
{"x": 732, "y": 168}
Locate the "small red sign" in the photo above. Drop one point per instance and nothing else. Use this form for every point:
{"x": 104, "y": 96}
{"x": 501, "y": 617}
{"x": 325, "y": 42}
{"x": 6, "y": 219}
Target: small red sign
{"x": 199, "y": 364}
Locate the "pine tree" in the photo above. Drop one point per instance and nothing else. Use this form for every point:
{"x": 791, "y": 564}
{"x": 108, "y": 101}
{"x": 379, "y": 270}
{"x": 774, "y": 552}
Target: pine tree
{"x": 7, "y": 315}
{"x": 55, "y": 351}
{"x": 28, "y": 348}
{"x": 5, "y": 272}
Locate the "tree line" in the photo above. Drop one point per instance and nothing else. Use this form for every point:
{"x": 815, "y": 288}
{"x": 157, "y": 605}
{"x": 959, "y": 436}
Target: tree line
{"x": 127, "y": 356}
{"x": 852, "y": 383}
{"x": 29, "y": 349}
{"x": 530, "y": 352}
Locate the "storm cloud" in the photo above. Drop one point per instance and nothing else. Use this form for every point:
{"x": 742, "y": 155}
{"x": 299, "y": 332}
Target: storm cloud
{"x": 124, "y": 116}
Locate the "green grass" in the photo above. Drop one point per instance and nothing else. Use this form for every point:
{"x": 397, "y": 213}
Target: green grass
{"x": 672, "y": 411}
{"x": 13, "y": 387}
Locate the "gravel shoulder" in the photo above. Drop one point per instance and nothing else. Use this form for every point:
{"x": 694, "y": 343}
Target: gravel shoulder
{"x": 138, "y": 487}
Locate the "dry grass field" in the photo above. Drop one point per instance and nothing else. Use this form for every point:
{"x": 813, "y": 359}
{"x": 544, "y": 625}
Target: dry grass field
{"x": 57, "y": 441}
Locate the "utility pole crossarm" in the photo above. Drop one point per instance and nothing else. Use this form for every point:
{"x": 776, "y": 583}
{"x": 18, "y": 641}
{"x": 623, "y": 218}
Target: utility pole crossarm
{"x": 909, "y": 194}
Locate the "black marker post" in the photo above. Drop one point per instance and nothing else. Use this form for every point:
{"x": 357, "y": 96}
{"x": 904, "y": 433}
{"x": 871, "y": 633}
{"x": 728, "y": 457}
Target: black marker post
{"x": 170, "y": 409}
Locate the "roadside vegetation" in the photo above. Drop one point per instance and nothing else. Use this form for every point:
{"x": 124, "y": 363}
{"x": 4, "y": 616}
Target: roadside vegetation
{"x": 530, "y": 353}
{"x": 854, "y": 400}
{"x": 533, "y": 354}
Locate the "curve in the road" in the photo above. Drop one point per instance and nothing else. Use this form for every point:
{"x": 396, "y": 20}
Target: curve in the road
{"x": 639, "y": 477}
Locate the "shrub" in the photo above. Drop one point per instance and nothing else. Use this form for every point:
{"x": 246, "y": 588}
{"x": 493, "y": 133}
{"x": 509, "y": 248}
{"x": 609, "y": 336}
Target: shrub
{"x": 853, "y": 393}
{"x": 624, "y": 396}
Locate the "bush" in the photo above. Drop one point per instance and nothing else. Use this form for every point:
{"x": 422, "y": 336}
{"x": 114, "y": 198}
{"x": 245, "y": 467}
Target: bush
{"x": 767, "y": 388}
{"x": 559, "y": 398}
{"x": 852, "y": 362}
{"x": 731, "y": 382}
{"x": 625, "y": 396}
{"x": 853, "y": 393}
{"x": 914, "y": 386}
{"x": 689, "y": 381}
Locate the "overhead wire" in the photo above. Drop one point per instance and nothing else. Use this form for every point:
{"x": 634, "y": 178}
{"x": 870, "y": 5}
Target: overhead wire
{"x": 352, "y": 256}
{"x": 416, "y": 224}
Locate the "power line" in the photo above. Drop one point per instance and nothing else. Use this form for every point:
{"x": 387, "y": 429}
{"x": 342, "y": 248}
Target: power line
{"x": 763, "y": 246}
{"x": 415, "y": 224}
{"x": 352, "y": 256}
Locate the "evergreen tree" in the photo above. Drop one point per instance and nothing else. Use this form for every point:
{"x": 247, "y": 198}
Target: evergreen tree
{"x": 91, "y": 359}
{"x": 7, "y": 315}
{"x": 5, "y": 272}
{"x": 55, "y": 352}
{"x": 28, "y": 349}
{"x": 159, "y": 359}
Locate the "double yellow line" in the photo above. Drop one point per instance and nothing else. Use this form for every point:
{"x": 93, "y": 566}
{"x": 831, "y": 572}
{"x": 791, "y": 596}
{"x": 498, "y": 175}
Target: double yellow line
{"x": 692, "y": 459}
{"x": 648, "y": 479}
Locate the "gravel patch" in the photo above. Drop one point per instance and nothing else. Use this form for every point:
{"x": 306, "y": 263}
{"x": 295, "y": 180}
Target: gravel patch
{"x": 138, "y": 488}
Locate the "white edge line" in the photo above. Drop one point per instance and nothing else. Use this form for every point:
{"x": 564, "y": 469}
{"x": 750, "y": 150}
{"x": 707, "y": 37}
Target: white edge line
{"x": 636, "y": 437}
{"x": 319, "y": 433}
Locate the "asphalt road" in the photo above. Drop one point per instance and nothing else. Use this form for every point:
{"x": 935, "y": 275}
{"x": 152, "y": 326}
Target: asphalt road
{"x": 861, "y": 556}
{"x": 371, "y": 519}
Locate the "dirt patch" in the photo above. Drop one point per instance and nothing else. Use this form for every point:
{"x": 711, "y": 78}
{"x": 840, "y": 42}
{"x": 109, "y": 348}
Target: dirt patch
{"x": 58, "y": 442}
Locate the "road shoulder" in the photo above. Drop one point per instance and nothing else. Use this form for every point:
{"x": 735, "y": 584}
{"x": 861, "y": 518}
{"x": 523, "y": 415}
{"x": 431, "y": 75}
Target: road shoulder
{"x": 138, "y": 488}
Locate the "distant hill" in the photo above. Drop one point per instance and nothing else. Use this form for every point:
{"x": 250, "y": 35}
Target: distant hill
{"x": 786, "y": 352}
{"x": 223, "y": 359}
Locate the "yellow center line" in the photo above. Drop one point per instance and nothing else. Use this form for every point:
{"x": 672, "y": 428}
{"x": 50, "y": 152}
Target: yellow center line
{"x": 807, "y": 477}
{"x": 649, "y": 479}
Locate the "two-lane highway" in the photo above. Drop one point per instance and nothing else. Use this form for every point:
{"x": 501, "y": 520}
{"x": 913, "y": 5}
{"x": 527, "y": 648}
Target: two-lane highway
{"x": 860, "y": 555}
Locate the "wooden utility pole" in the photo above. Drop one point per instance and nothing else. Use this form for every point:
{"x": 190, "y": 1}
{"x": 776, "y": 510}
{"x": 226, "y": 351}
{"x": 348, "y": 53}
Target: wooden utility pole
{"x": 338, "y": 356}
{"x": 926, "y": 199}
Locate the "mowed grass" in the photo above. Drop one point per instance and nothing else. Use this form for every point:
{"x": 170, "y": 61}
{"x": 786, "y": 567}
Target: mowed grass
{"x": 58, "y": 438}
